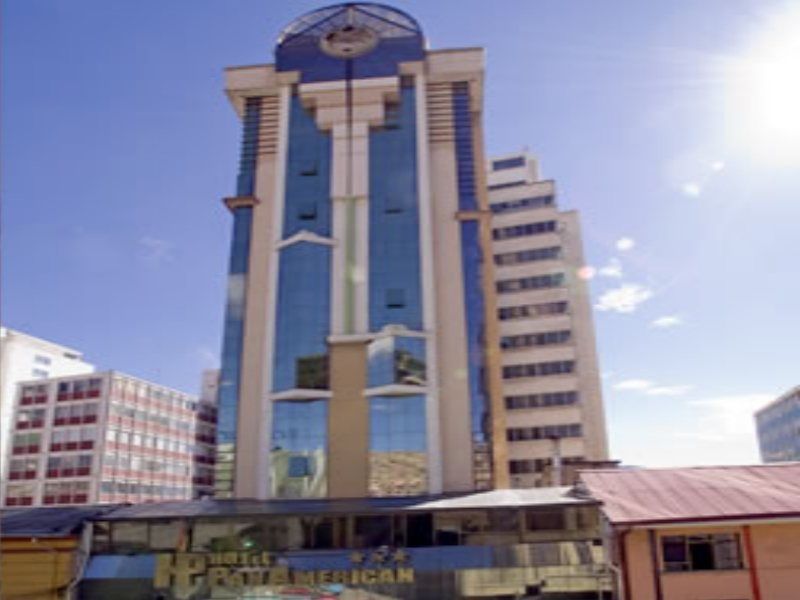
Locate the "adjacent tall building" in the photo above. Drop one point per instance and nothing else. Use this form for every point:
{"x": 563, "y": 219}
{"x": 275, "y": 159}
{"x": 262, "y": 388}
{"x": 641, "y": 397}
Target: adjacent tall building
{"x": 551, "y": 385}
{"x": 24, "y": 357}
{"x": 362, "y": 352}
{"x": 778, "y": 427}
{"x": 107, "y": 437}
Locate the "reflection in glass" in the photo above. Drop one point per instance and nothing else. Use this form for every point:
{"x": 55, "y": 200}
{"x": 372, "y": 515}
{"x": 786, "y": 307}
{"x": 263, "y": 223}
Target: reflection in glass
{"x": 396, "y": 360}
{"x": 299, "y": 449}
{"x": 233, "y": 340}
{"x": 303, "y": 317}
{"x": 473, "y": 288}
{"x": 397, "y": 446}
{"x": 395, "y": 296}
{"x": 312, "y": 372}
{"x": 307, "y": 202}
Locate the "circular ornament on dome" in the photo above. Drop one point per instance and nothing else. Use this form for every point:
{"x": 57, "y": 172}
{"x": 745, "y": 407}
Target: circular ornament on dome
{"x": 348, "y": 41}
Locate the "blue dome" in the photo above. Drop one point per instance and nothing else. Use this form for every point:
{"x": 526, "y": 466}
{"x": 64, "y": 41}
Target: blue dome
{"x": 352, "y": 40}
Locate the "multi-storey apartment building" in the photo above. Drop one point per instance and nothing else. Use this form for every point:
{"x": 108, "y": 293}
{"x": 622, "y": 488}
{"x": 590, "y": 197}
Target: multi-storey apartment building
{"x": 361, "y": 331}
{"x": 107, "y": 437}
{"x": 551, "y": 385}
{"x": 778, "y": 427}
{"x": 24, "y": 357}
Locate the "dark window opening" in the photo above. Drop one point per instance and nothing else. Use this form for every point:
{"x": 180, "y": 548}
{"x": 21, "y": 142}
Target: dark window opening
{"x": 372, "y": 532}
{"x": 419, "y": 530}
{"x": 307, "y": 211}
{"x": 508, "y": 163}
{"x": 395, "y": 298}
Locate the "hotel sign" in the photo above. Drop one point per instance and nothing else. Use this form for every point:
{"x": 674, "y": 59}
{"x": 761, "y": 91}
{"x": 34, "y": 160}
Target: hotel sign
{"x": 187, "y": 573}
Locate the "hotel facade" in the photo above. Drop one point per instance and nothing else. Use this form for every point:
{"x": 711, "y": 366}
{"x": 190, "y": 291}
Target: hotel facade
{"x": 364, "y": 324}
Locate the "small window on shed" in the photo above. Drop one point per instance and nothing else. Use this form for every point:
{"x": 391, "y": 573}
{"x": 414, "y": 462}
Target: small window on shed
{"x": 546, "y": 520}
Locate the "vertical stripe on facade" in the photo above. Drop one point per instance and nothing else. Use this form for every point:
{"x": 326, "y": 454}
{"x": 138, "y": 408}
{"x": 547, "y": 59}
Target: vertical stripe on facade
{"x": 233, "y": 337}
{"x": 472, "y": 260}
{"x": 395, "y": 286}
{"x": 303, "y": 302}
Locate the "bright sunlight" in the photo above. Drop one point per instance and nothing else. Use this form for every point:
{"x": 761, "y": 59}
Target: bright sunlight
{"x": 763, "y": 116}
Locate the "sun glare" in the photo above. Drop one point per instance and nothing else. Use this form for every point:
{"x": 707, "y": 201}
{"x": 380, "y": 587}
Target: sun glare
{"x": 764, "y": 99}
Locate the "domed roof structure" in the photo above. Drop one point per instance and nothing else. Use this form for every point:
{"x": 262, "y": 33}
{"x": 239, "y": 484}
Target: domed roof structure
{"x": 352, "y": 40}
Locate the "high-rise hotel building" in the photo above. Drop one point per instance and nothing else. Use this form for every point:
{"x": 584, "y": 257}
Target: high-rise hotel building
{"x": 362, "y": 348}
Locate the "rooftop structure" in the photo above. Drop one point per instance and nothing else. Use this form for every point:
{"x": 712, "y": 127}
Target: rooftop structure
{"x": 688, "y": 494}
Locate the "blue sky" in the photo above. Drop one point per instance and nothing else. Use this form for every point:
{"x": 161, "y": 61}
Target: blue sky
{"x": 118, "y": 145}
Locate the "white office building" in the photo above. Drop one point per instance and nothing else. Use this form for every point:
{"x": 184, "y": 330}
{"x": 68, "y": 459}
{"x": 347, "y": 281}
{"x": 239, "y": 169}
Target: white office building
{"x": 552, "y": 402}
{"x": 24, "y": 357}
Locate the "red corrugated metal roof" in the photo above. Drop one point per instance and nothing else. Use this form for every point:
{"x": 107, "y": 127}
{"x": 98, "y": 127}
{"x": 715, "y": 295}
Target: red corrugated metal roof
{"x": 696, "y": 493}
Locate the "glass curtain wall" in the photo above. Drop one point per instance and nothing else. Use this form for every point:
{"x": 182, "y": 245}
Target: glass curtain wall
{"x": 233, "y": 338}
{"x": 473, "y": 291}
{"x": 303, "y": 307}
{"x": 395, "y": 296}
{"x": 299, "y": 449}
{"x": 397, "y": 446}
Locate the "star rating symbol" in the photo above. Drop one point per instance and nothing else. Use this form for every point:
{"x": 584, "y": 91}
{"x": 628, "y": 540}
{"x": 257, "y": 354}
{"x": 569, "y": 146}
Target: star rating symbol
{"x": 400, "y": 556}
{"x": 357, "y": 558}
{"x": 378, "y": 557}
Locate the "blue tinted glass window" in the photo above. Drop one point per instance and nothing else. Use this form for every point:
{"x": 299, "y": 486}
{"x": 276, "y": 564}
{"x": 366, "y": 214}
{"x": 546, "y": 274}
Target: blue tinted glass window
{"x": 472, "y": 258}
{"x": 397, "y": 446}
{"x": 465, "y": 163}
{"x": 508, "y": 163}
{"x": 521, "y": 204}
{"x": 233, "y": 339}
{"x": 307, "y": 201}
{"x": 303, "y": 317}
{"x": 394, "y": 266}
{"x": 245, "y": 184}
{"x": 298, "y": 457}
{"x": 473, "y": 295}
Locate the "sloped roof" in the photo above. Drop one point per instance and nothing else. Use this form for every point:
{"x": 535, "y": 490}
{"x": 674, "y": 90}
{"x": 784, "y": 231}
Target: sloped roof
{"x": 528, "y": 497}
{"x": 638, "y": 496}
{"x": 48, "y": 521}
{"x": 226, "y": 508}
